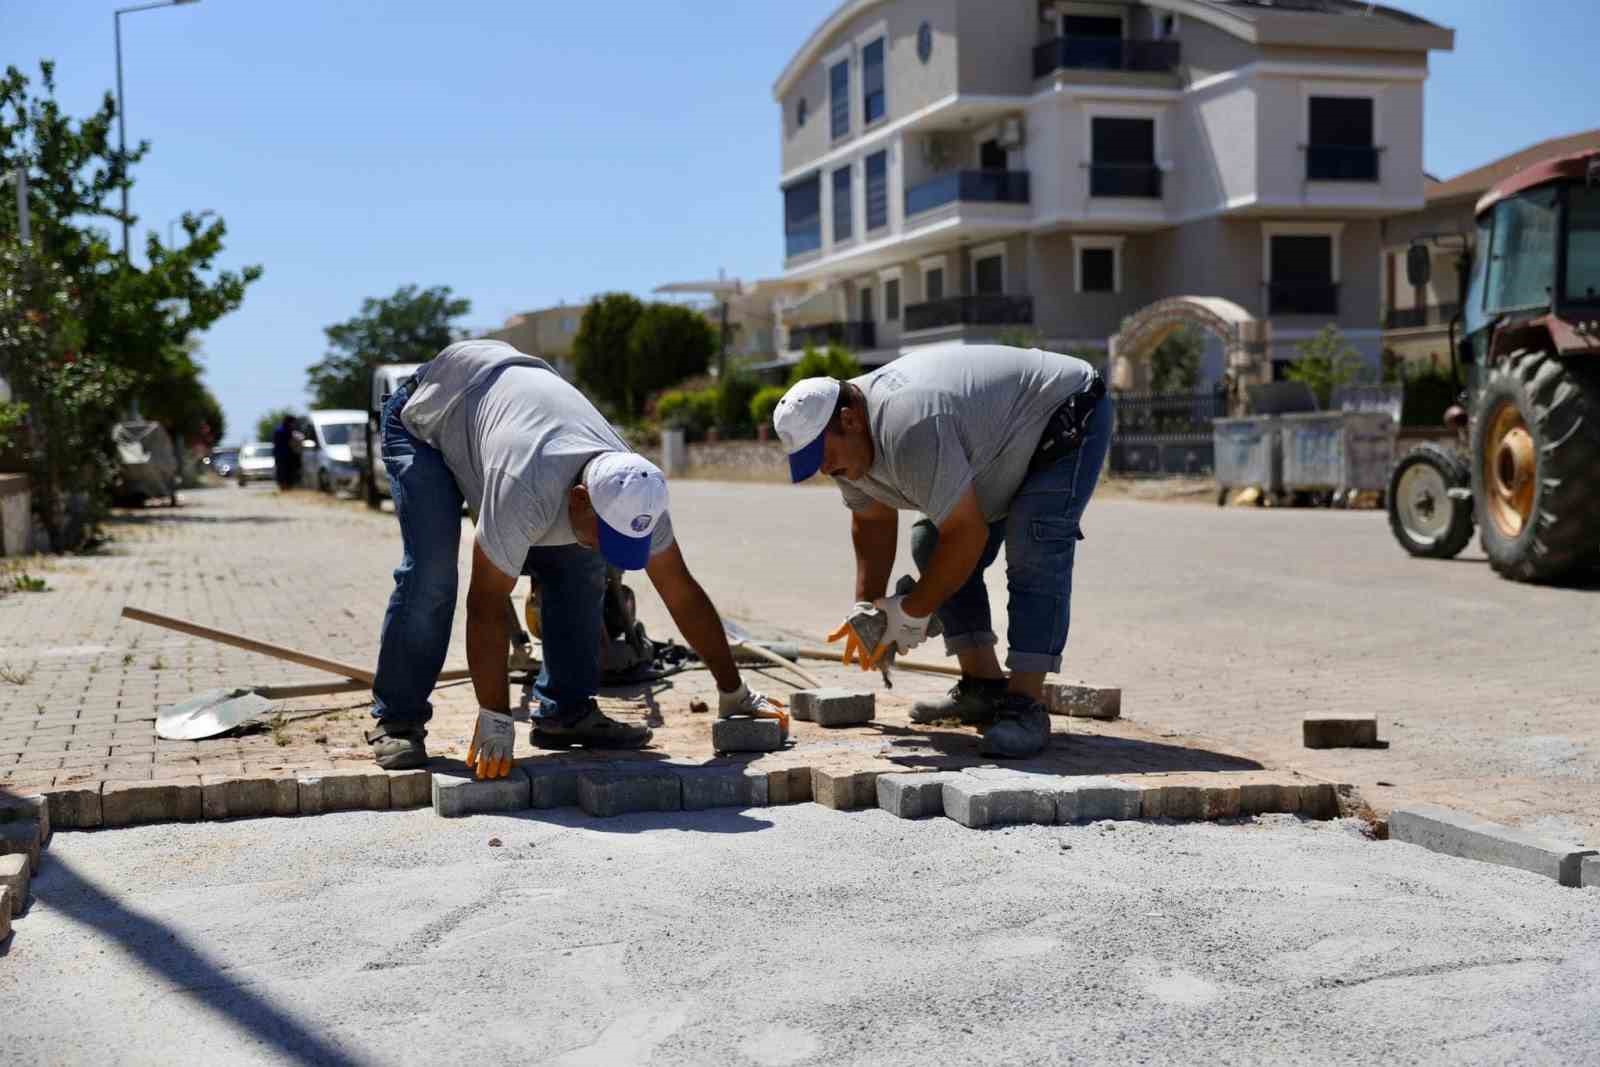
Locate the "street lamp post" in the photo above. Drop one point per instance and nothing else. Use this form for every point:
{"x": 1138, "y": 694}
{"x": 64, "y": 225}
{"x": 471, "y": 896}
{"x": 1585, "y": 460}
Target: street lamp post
{"x": 122, "y": 129}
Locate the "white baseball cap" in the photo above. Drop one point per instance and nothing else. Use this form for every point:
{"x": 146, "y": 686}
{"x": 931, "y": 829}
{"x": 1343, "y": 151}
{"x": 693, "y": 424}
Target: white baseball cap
{"x": 629, "y": 494}
{"x": 801, "y": 419}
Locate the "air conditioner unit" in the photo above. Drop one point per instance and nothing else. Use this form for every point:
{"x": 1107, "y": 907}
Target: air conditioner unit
{"x": 1010, "y": 134}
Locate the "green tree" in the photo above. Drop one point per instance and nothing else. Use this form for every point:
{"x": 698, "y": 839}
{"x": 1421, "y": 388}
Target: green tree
{"x": 600, "y": 348}
{"x": 834, "y": 362}
{"x": 1326, "y": 362}
{"x": 269, "y": 422}
{"x": 409, "y": 326}
{"x": 667, "y": 344}
{"x": 1175, "y": 363}
{"x": 734, "y": 394}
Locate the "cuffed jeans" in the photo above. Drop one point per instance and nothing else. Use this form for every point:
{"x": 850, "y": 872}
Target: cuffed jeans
{"x": 416, "y": 626}
{"x": 1040, "y": 535}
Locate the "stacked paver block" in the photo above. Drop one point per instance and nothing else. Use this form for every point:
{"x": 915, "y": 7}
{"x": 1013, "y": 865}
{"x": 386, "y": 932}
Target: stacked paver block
{"x": 15, "y": 875}
{"x": 845, "y": 790}
{"x": 344, "y": 790}
{"x": 913, "y": 796}
{"x": 171, "y": 800}
{"x": 622, "y": 791}
{"x": 1002, "y": 799}
{"x": 1083, "y": 701}
{"x": 1339, "y": 731}
{"x": 746, "y": 735}
{"x": 455, "y": 795}
{"x": 833, "y": 707}
{"x": 1456, "y": 833}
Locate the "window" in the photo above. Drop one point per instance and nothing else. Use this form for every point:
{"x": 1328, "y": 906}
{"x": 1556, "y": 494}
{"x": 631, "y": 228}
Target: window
{"x": 839, "y": 97}
{"x": 989, "y": 274}
{"x": 1583, "y": 244}
{"x": 1092, "y": 42}
{"x": 874, "y": 100}
{"x": 1123, "y": 154}
{"x": 992, "y": 157}
{"x": 800, "y": 113}
{"x": 925, "y": 43}
{"x": 891, "y": 300}
{"x": 1097, "y": 270}
{"x": 933, "y": 283}
{"x": 866, "y": 304}
{"x": 1301, "y": 272}
{"x": 802, "y": 216}
{"x": 843, "y": 214}
{"x": 569, "y": 325}
{"x": 1340, "y": 136}
{"x": 1522, "y": 252}
{"x": 877, "y": 190}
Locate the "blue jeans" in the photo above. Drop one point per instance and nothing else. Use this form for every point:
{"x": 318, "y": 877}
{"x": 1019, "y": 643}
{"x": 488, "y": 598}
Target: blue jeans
{"x": 416, "y": 626}
{"x": 1040, "y": 535}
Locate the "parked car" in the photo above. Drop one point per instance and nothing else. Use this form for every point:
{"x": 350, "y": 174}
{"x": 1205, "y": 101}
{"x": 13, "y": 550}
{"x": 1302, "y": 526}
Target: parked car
{"x": 223, "y": 462}
{"x": 385, "y": 380}
{"x": 255, "y": 463}
{"x": 147, "y": 464}
{"x": 336, "y": 447}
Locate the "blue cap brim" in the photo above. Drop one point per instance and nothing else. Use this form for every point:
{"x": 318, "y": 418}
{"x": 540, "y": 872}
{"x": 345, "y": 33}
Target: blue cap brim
{"x": 806, "y": 462}
{"x": 628, "y": 553}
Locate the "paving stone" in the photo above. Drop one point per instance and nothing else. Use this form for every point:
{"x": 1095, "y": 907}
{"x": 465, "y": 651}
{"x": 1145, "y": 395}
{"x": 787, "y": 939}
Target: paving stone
{"x": 455, "y": 795}
{"x": 1258, "y": 799}
{"x": 225, "y": 796}
{"x": 21, "y": 839}
{"x": 833, "y": 707}
{"x": 1339, "y": 731}
{"x": 1183, "y": 802}
{"x": 5, "y": 913}
{"x": 553, "y": 783}
{"x": 1083, "y": 701}
{"x": 74, "y": 807}
{"x": 618, "y": 792}
{"x": 746, "y": 735}
{"x": 845, "y": 790}
{"x": 976, "y": 802}
{"x": 791, "y": 785}
{"x": 1288, "y": 799}
{"x": 1153, "y": 802}
{"x": 722, "y": 787}
{"x": 410, "y": 789}
{"x": 344, "y": 790}
{"x": 31, "y": 808}
{"x": 1219, "y": 802}
{"x": 1088, "y": 799}
{"x": 125, "y": 803}
{"x": 913, "y": 796}
{"x": 1456, "y": 833}
{"x": 1590, "y": 875}
{"x": 15, "y": 874}
{"x": 1319, "y": 801}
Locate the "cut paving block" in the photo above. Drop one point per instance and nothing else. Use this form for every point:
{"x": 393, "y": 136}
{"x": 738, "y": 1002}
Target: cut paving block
{"x": 225, "y": 796}
{"x": 21, "y": 839}
{"x": 722, "y": 787}
{"x": 789, "y": 786}
{"x": 913, "y": 796}
{"x": 74, "y": 807}
{"x": 455, "y": 795}
{"x": 15, "y": 875}
{"x": 833, "y": 707}
{"x": 351, "y": 790}
{"x": 845, "y": 790}
{"x": 976, "y": 802}
{"x": 1088, "y": 799}
{"x": 619, "y": 792}
{"x": 553, "y": 783}
{"x": 1083, "y": 701}
{"x": 746, "y": 735}
{"x": 1339, "y": 731}
{"x": 33, "y": 808}
{"x": 1590, "y": 876}
{"x": 409, "y": 789}
{"x": 168, "y": 800}
{"x": 1455, "y": 833}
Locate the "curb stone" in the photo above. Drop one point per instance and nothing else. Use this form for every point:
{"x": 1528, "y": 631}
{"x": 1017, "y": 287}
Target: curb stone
{"x": 1456, "y": 833}
{"x": 913, "y": 796}
{"x": 621, "y": 792}
{"x": 344, "y": 790}
{"x": 976, "y": 802}
{"x": 845, "y": 790}
{"x": 1090, "y": 799}
{"x": 722, "y": 787}
{"x": 75, "y": 807}
{"x": 789, "y": 786}
{"x": 455, "y": 795}
{"x": 234, "y": 797}
{"x": 16, "y": 874}
{"x": 169, "y": 800}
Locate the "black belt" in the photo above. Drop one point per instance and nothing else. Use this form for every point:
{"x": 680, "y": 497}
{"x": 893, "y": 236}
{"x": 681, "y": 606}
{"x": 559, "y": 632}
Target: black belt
{"x": 1067, "y": 426}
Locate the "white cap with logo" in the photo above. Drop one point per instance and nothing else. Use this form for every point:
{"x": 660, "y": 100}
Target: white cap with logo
{"x": 801, "y": 419}
{"x": 629, "y": 494}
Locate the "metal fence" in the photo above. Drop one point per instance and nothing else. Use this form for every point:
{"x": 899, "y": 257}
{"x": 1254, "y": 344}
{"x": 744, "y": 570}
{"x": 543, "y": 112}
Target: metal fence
{"x": 1166, "y": 433}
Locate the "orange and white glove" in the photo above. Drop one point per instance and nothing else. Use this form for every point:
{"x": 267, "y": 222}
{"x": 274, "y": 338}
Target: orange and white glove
{"x": 855, "y": 650}
{"x": 904, "y": 632}
{"x": 494, "y": 737}
{"x": 745, "y": 701}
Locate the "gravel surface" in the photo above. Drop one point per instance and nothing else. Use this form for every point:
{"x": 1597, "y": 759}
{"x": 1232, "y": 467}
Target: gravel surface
{"x": 786, "y": 936}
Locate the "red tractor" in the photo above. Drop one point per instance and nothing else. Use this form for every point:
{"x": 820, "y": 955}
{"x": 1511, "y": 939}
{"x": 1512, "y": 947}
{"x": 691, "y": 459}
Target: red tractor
{"x": 1526, "y": 471}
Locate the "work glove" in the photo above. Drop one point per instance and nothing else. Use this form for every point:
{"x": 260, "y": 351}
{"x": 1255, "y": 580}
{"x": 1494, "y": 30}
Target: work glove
{"x": 489, "y": 754}
{"x": 904, "y": 631}
{"x": 855, "y": 650}
{"x": 745, "y": 701}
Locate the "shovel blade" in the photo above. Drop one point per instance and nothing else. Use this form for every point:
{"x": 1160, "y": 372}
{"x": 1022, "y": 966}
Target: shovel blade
{"x": 216, "y": 711}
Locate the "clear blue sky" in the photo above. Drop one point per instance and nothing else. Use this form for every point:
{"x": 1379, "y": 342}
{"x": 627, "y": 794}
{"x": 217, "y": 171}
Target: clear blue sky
{"x": 526, "y": 152}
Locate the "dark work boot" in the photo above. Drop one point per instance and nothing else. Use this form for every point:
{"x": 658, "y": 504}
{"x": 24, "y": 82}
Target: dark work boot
{"x": 972, "y": 700}
{"x": 398, "y": 746}
{"x": 1021, "y": 729}
{"x": 591, "y": 729}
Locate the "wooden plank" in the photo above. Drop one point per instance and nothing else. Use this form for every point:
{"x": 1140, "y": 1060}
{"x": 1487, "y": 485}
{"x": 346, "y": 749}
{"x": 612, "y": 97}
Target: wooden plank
{"x": 250, "y": 644}
{"x": 318, "y": 689}
{"x": 900, "y": 664}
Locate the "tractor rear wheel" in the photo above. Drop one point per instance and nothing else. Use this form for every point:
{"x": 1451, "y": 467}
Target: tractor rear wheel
{"x": 1536, "y": 464}
{"x": 1425, "y": 518}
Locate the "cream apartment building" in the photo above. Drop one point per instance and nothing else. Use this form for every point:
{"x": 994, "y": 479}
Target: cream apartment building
{"x": 548, "y": 333}
{"x": 954, "y": 169}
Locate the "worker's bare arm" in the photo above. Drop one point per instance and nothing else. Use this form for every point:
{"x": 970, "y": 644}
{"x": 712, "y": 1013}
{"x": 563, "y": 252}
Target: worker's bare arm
{"x": 874, "y": 531}
{"x": 488, "y": 631}
{"x": 694, "y": 614}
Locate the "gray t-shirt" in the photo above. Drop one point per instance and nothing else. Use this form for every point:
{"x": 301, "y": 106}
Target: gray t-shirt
{"x": 950, "y": 416}
{"x": 516, "y": 436}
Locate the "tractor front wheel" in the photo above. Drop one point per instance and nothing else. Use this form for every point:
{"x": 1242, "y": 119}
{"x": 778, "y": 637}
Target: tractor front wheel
{"x": 1426, "y": 519}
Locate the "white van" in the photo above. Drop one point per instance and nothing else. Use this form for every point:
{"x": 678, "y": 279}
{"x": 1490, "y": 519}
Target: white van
{"x": 335, "y": 448}
{"x": 385, "y": 380}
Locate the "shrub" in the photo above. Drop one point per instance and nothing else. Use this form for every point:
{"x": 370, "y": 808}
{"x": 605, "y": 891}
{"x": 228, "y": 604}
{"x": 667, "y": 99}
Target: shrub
{"x": 836, "y": 362}
{"x": 734, "y": 394}
{"x": 1326, "y": 362}
{"x": 762, "y": 404}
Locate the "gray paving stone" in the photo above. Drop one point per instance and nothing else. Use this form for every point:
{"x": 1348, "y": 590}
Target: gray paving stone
{"x": 1083, "y": 701}
{"x": 224, "y": 796}
{"x": 618, "y": 792}
{"x": 722, "y": 787}
{"x": 913, "y": 796}
{"x": 1088, "y": 799}
{"x": 21, "y": 839}
{"x": 976, "y": 802}
{"x": 1456, "y": 833}
{"x": 410, "y": 789}
{"x": 746, "y": 735}
{"x": 74, "y": 807}
{"x": 1590, "y": 873}
{"x": 1339, "y": 731}
{"x": 344, "y": 790}
{"x": 455, "y": 795}
{"x": 833, "y": 707}
{"x": 15, "y": 874}
{"x": 553, "y": 783}
{"x": 124, "y": 803}
{"x": 31, "y": 808}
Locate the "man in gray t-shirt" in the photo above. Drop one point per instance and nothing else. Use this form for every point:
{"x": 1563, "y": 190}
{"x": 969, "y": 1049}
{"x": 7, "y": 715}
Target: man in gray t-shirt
{"x": 557, "y": 495}
{"x": 993, "y": 446}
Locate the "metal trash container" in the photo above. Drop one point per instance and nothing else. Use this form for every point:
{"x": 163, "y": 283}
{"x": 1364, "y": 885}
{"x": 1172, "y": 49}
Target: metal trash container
{"x": 1247, "y": 453}
{"x": 1337, "y": 452}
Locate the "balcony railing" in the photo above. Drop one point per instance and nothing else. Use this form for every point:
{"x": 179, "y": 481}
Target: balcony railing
{"x": 1104, "y": 53}
{"x": 855, "y": 335}
{"x": 1427, "y": 315}
{"x": 1341, "y": 163}
{"x": 980, "y": 186}
{"x": 1141, "y": 180}
{"x": 1302, "y": 298}
{"x": 983, "y": 309}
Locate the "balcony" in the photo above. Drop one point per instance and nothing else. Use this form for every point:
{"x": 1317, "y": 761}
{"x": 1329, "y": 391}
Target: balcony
{"x": 803, "y": 236}
{"x": 1104, "y": 53}
{"x": 852, "y": 335}
{"x": 1302, "y": 298}
{"x": 973, "y": 186}
{"x": 1137, "y": 180}
{"x": 983, "y": 309}
{"x": 1417, "y": 317}
{"x": 1341, "y": 163}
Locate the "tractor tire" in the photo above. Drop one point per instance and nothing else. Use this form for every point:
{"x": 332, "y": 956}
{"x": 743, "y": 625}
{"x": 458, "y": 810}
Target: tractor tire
{"x": 1424, "y": 518}
{"x": 1535, "y": 461}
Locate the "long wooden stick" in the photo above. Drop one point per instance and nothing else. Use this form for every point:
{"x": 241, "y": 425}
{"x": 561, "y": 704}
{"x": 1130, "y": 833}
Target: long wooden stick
{"x": 773, "y": 657}
{"x": 319, "y": 689}
{"x": 250, "y": 644}
{"x": 900, "y": 664}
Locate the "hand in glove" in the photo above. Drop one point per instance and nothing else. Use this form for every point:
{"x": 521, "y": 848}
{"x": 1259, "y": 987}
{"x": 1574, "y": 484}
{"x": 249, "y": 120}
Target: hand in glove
{"x": 745, "y": 701}
{"x": 855, "y": 650}
{"x": 489, "y": 755}
{"x": 904, "y": 632}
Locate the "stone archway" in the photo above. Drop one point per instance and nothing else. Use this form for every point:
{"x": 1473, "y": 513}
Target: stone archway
{"x": 1245, "y": 343}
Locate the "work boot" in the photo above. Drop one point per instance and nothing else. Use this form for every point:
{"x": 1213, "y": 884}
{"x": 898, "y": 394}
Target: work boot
{"x": 591, "y": 729}
{"x": 1021, "y": 728}
{"x": 972, "y": 700}
{"x": 398, "y": 746}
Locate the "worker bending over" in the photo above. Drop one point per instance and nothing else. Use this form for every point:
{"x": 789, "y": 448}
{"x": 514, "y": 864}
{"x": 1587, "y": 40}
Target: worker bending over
{"x": 994, "y": 446}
